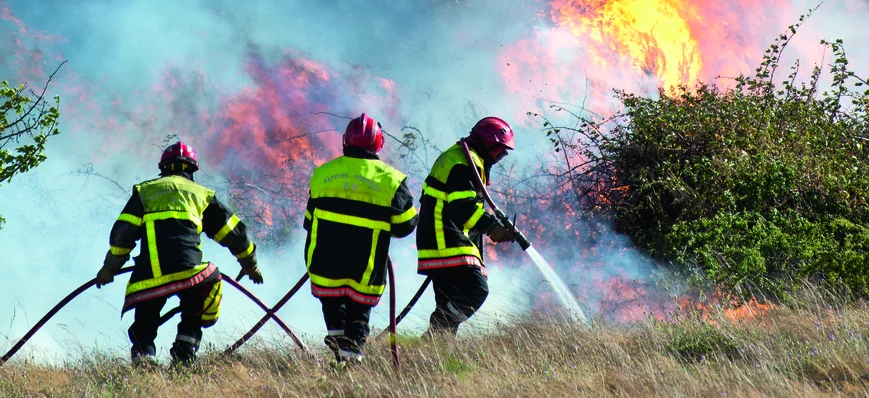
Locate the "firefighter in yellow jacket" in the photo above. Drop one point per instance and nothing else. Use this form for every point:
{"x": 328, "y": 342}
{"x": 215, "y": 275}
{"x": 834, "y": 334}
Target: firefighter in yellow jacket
{"x": 452, "y": 223}
{"x": 168, "y": 214}
{"x": 357, "y": 203}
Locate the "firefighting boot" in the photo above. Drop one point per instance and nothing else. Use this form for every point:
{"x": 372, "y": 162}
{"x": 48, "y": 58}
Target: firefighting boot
{"x": 350, "y": 357}
{"x": 144, "y": 361}
{"x": 331, "y": 341}
{"x": 346, "y": 362}
{"x": 182, "y": 353}
{"x": 346, "y": 359}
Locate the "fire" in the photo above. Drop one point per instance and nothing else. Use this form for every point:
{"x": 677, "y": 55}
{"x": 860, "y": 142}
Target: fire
{"x": 747, "y": 311}
{"x": 271, "y": 135}
{"x": 627, "y": 300}
{"x": 584, "y": 48}
{"x": 652, "y": 36}
{"x": 275, "y": 130}
{"x": 735, "y": 311}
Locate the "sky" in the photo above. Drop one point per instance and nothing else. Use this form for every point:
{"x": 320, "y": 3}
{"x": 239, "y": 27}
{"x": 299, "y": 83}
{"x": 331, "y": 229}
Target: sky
{"x": 235, "y": 79}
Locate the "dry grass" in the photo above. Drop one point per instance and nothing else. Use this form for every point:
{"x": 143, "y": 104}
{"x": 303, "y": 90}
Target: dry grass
{"x": 818, "y": 348}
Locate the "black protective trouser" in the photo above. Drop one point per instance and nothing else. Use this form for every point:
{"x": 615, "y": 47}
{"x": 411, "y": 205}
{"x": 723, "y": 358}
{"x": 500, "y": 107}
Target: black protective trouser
{"x": 459, "y": 293}
{"x": 143, "y": 331}
{"x": 347, "y": 326}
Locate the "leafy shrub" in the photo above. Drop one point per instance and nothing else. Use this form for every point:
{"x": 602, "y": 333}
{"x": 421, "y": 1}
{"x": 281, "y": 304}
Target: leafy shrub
{"x": 756, "y": 185}
{"x": 696, "y": 341}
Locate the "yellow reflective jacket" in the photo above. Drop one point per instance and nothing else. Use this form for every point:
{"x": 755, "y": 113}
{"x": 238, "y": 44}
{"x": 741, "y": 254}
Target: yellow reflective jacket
{"x": 357, "y": 203}
{"x": 168, "y": 214}
{"x": 451, "y": 212}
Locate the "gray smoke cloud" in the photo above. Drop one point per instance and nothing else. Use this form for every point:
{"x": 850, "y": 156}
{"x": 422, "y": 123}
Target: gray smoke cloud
{"x": 447, "y": 60}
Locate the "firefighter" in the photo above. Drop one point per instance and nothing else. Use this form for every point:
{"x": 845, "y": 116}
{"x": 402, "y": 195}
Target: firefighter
{"x": 452, "y": 223}
{"x": 168, "y": 214}
{"x": 357, "y": 204}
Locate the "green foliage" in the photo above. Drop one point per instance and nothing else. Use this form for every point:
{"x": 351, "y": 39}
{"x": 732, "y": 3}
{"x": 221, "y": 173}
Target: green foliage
{"x": 755, "y": 185}
{"x": 26, "y": 123}
{"x": 17, "y": 121}
{"x": 457, "y": 366}
{"x": 696, "y": 341}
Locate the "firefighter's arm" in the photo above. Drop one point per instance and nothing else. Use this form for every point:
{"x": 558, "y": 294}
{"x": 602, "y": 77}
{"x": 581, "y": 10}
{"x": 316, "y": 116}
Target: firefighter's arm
{"x": 309, "y": 211}
{"x": 225, "y": 228}
{"x": 404, "y": 217}
{"x": 464, "y": 204}
{"x": 126, "y": 230}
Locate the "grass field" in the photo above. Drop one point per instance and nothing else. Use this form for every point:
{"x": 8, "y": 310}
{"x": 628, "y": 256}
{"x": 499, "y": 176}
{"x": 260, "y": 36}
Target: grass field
{"x": 819, "y": 347}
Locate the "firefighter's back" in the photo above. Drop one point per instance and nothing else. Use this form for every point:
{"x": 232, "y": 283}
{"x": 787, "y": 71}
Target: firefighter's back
{"x": 173, "y": 211}
{"x": 350, "y": 227}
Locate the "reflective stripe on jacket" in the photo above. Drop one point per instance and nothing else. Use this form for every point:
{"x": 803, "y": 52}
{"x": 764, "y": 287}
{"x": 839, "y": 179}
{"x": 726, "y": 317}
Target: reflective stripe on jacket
{"x": 357, "y": 204}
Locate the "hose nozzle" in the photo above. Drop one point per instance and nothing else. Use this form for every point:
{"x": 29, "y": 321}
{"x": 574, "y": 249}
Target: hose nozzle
{"x": 523, "y": 242}
{"x": 518, "y": 236}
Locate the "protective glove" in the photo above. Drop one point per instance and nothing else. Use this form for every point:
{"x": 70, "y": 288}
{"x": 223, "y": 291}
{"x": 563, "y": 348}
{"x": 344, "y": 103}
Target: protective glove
{"x": 253, "y": 273}
{"x": 500, "y": 234}
{"x": 104, "y": 277}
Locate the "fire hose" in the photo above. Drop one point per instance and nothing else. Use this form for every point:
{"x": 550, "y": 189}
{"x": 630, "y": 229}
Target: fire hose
{"x": 273, "y": 316}
{"x": 163, "y": 318}
{"x": 409, "y": 306}
{"x": 520, "y": 238}
{"x": 270, "y": 313}
{"x": 393, "y": 339}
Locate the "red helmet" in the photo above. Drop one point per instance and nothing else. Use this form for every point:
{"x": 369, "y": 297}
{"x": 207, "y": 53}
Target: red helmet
{"x": 179, "y": 152}
{"x": 364, "y": 132}
{"x": 495, "y": 135}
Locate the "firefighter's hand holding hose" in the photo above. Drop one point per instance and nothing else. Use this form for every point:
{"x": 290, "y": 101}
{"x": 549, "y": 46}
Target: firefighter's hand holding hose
{"x": 510, "y": 226}
{"x": 104, "y": 277}
{"x": 498, "y": 233}
{"x": 253, "y": 273}
{"x": 111, "y": 265}
{"x": 248, "y": 267}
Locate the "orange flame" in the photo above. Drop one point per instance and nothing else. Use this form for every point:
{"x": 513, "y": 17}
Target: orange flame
{"x": 653, "y": 36}
{"x": 747, "y": 311}
{"x": 588, "y": 47}
{"x": 735, "y": 311}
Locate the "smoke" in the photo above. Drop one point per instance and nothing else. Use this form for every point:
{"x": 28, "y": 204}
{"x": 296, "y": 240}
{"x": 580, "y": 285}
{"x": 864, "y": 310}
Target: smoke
{"x": 260, "y": 90}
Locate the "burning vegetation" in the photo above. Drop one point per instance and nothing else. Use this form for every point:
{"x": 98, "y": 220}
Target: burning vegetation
{"x": 748, "y": 191}
{"x": 756, "y": 188}
{"x": 643, "y": 169}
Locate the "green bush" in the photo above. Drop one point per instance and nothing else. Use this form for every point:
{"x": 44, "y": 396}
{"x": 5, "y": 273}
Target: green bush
{"x": 757, "y": 185}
